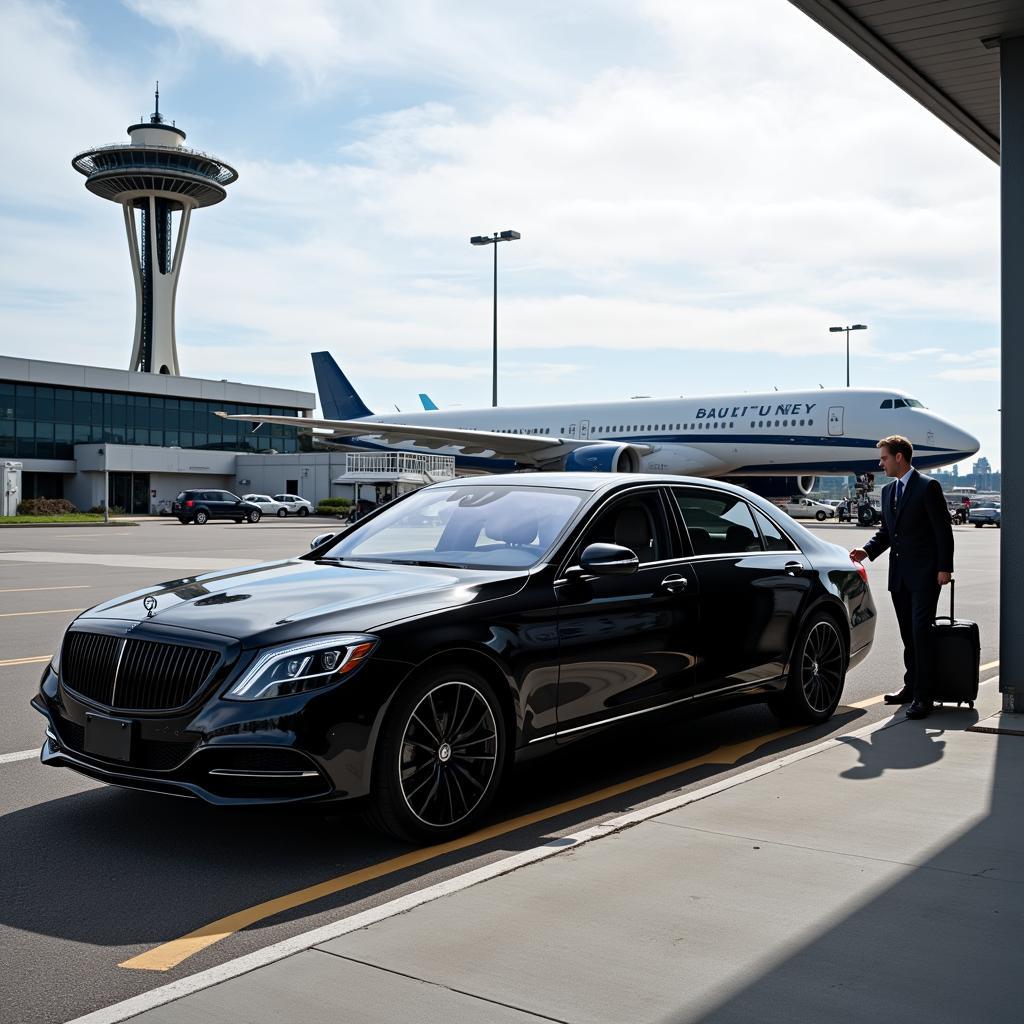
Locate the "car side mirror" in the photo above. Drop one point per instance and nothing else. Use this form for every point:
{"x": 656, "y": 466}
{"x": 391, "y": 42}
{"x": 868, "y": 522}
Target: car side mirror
{"x": 320, "y": 538}
{"x": 608, "y": 560}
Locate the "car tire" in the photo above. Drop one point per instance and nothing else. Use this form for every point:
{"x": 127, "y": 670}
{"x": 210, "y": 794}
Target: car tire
{"x": 200, "y": 518}
{"x": 254, "y": 516}
{"x": 821, "y": 515}
{"x": 978, "y": 526}
{"x": 282, "y": 513}
{"x": 817, "y": 673}
{"x": 426, "y": 786}
{"x": 184, "y": 522}
{"x": 303, "y": 511}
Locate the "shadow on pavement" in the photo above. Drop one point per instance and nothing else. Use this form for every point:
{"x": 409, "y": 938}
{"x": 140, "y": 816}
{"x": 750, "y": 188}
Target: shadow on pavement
{"x": 111, "y": 867}
{"x": 940, "y": 944}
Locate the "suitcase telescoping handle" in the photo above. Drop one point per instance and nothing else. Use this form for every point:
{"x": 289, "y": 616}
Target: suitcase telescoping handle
{"x": 950, "y": 617}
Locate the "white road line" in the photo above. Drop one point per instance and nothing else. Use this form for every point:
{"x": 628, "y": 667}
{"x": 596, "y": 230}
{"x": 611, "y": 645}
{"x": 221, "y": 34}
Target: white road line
{"x": 188, "y": 566}
{"x": 46, "y": 611}
{"x": 19, "y": 755}
{"x": 25, "y": 590}
{"x": 129, "y": 1008}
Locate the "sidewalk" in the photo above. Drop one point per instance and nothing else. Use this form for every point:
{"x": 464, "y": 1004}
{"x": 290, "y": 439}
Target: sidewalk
{"x": 881, "y": 878}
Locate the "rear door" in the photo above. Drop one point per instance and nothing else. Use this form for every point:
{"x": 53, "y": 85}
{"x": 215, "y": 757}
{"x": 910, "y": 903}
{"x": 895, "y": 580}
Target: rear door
{"x": 626, "y": 643}
{"x": 835, "y": 421}
{"x": 753, "y": 587}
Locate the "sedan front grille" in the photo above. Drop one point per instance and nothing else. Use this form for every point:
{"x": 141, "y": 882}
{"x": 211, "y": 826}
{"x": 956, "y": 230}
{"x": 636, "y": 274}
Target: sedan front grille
{"x": 128, "y": 674}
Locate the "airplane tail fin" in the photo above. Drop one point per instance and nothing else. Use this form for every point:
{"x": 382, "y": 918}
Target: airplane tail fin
{"x": 428, "y": 403}
{"x": 338, "y": 399}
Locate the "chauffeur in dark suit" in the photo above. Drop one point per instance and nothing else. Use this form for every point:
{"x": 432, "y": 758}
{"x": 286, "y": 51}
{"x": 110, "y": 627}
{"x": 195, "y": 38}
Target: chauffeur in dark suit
{"x": 917, "y": 532}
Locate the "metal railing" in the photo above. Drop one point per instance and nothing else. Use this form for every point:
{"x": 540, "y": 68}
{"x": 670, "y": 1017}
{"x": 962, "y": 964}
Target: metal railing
{"x": 434, "y": 467}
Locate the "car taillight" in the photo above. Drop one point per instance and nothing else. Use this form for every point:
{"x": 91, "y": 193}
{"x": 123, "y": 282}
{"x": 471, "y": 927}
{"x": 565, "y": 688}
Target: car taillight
{"x": 862, "y": 571}
{"x": 189, "y": 503}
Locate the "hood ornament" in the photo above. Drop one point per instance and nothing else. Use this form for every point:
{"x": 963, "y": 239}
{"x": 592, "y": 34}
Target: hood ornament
{"x": 149, "y": 603}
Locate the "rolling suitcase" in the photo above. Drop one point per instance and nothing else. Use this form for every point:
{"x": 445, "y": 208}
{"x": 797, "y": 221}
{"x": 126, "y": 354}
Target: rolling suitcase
{"x": 956, "y": 658}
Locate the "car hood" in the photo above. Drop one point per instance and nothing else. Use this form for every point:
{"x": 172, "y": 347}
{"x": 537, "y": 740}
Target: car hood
{"x": 278, "y": 601}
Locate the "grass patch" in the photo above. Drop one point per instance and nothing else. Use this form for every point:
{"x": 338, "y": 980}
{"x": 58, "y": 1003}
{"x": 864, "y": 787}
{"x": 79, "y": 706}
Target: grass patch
{"x": 66, "y": 517}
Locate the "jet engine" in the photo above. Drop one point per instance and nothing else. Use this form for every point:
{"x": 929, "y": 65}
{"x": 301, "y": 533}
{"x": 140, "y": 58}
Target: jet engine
{"x": 775, "y": 486}
{"x": 603, "y": 458}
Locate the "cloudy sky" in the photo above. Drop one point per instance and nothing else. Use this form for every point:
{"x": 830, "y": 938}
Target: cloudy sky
{"x": 702, "y": 188}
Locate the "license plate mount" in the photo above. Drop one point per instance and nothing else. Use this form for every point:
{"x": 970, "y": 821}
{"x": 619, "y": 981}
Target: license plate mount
{"x": 108, "y": 737}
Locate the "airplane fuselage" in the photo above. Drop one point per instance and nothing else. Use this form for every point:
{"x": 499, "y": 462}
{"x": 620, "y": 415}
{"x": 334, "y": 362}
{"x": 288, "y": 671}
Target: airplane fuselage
{"x": 761, "y": 434}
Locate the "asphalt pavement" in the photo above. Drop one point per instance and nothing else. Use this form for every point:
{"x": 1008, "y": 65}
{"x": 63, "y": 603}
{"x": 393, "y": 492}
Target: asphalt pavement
{"x": 97, "y": 877}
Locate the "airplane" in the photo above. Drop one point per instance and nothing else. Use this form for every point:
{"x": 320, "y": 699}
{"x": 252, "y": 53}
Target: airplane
{"x": 775, "y": 443}
{"x": 427, "y": 402}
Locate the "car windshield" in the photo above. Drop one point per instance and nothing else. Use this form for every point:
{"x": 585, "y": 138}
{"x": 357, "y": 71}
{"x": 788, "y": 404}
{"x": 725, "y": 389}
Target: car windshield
{"x": 986, "y": 504}
{"x": 481, "y": 526}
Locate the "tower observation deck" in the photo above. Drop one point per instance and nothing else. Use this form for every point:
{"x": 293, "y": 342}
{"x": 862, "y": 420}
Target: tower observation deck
{"x": 158, "y": 182}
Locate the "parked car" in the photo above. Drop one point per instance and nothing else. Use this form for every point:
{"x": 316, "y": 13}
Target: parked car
{"x": 200, "y": 506}
{"x": 296, "y": 505}
{"x": 800, "y": 507}
{"x": 985, "y": 513}
{"x": 411, "y": 659}
{"x": 268, "y": 506}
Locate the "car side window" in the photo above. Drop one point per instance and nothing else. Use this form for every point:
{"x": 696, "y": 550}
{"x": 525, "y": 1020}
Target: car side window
{"x": 228, "y": 496}
{"x": 208, "y": 496}
{"x": 717, "y": 522}
{"x": 636, "y": 522}
{"x": 774, "y": 538}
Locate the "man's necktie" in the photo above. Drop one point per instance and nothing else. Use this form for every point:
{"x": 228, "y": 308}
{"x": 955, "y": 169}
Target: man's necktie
{"x": 899, "y": 492}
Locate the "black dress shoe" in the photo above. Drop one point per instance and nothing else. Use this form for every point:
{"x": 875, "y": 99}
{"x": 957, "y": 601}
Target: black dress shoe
{"x": 905, "y": 696}
{"x": 920, "y": 709}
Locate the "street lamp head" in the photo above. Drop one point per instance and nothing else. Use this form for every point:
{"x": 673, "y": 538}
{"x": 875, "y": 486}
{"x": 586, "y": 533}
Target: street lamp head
{"x": 480, "y": 240}
{"x": 859, "y": 327}
{"x": 509, "y": 236}
{"x": 834, "y": 329}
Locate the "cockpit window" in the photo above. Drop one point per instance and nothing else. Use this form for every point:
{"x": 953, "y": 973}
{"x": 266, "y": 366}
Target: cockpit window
{"x": 887, "y": 404}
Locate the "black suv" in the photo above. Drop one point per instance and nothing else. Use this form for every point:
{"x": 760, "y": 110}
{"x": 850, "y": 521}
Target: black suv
{"x": 200, "y": 507}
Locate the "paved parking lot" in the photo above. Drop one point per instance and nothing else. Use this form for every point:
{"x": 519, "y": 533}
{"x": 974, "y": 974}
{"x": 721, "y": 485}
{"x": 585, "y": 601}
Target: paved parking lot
{"x": 96, "y": 876}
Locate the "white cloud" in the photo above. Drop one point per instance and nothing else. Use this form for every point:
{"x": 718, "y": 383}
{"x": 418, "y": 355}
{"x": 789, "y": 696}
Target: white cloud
{"x": 975, "y": 373}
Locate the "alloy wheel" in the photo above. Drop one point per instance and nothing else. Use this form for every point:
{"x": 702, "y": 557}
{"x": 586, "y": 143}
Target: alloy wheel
{"x": 821, "y": 667}
{"x": 448, "y": 754}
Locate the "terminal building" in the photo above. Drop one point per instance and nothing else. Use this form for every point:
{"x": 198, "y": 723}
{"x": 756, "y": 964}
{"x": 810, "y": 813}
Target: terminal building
{"x": 151, "y": 434}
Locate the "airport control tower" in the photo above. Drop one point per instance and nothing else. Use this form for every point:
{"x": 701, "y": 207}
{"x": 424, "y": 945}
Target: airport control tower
{"x": 156, "y": 175}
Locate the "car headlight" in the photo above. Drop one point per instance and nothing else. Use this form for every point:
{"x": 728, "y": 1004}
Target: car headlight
{"x": 301, "y": 666}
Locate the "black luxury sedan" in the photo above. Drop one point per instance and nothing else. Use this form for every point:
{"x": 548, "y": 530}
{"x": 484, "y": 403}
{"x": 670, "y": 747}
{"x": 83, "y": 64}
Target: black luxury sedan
{"x": 200, "y": 506}
{"x": 410, "y": 659}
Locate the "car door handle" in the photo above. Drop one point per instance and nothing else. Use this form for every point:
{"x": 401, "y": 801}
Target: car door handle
{"x": 675, "y": 584}
{"x": 794, "y": 569}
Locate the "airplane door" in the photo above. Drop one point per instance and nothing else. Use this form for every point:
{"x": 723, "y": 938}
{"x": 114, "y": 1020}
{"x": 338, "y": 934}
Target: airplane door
{"x": 835, "y": 421}
{"x": 572, "y": 429}
{"x": 584, "y": 429}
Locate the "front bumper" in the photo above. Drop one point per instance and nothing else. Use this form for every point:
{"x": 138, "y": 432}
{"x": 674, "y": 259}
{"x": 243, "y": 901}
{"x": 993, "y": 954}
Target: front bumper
{"x": 309, "y": 747}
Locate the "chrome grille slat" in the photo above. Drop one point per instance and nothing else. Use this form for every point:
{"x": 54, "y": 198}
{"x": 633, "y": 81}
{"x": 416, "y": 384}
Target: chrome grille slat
{"x": 152, "y": 675}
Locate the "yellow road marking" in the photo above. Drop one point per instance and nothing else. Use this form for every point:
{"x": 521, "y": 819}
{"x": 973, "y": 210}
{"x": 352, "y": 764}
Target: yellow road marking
{"x": 48, "y": 611}
{"x": 170, "y": 954}
{"x": 25, "y": 590}
{"x": 25, "y": 661}
{"x": 878, "y": 700}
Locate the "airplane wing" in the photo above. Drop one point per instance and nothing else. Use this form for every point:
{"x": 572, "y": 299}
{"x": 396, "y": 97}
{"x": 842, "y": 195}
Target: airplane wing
{"x": 527, "y": 448}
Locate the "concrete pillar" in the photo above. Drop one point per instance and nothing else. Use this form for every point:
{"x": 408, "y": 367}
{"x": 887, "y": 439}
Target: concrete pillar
{"x": 1011, "y": 558}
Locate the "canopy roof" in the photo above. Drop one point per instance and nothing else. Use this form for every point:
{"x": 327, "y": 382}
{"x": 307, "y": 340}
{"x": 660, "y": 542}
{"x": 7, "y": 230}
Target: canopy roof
{"x": 944, "y": 53}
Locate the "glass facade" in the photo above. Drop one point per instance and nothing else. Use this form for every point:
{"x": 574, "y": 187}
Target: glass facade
{"x": 46, "y": 422}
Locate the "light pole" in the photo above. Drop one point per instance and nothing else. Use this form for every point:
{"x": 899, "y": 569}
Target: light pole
{"x": 498, "y": 236}
{"x": 854, "y": 327}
